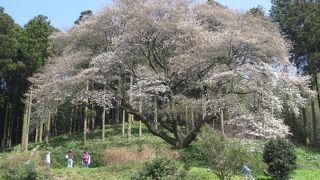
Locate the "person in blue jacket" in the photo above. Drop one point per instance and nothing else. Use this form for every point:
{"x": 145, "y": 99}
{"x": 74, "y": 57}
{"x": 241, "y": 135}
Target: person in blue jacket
{"x": 247, "y": 172}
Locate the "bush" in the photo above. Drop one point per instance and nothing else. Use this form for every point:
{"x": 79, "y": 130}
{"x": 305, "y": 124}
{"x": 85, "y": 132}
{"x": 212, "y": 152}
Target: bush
{"x": 281, "y": 158}
{"x": 255, "y": 154}
{"x": 225, "y": 157}
{"x": 19, "y": 167}
{"x": 160, "y": 168}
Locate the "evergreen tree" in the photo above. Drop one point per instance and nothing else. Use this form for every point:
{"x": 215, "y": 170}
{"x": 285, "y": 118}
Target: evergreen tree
{"x": 300, "y": 23}
{"x": 22, "y": 52}
{"x": 83, "y": 16}
{"x": 9, "y": 35}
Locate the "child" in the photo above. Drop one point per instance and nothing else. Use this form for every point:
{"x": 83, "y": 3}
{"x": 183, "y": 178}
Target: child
{"x": 48, "y": 159}
{"x": 69, "y": 158}
{"x": 247, "y": 172}
{"x": 86, "y": 159}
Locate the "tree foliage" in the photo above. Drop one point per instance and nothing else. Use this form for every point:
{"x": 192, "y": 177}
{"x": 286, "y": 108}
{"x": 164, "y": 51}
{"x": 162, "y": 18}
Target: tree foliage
{"x": 83, "y": 16}
{"x": 9, "y": 47}
{"x": 159, "y": 168}
{"x": 22, "y": 52}
{"x": 300, "y": 24}
{"x": 35, "y": 42}
{"x": 175, "y": 52}
{"x": 225, "y": 157}
{"x": 257, "y": 11}
{"x": 281, "y": 158}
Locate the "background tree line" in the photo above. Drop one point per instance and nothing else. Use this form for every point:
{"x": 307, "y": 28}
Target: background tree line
{"x": 23, "y": 51}
{"x": 300, "y": 24}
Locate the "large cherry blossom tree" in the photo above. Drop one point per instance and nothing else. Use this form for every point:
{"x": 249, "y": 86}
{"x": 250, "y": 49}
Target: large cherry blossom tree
{"x": 178, "y": 54}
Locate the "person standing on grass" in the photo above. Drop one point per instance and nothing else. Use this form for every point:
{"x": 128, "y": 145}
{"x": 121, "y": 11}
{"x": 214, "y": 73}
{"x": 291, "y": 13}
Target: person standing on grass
{"x": 69, "y": 158}
{"x": 86, "y": 159}
{"x": 48, "y": 159}
{"x": 247, "y": 172}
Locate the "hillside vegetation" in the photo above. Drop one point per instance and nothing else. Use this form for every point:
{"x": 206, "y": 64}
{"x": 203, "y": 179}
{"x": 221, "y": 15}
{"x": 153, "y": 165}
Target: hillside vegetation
{"x": 116, "y": 158}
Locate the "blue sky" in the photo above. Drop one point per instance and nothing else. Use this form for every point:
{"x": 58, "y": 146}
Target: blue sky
{"x": 63, "y": 13}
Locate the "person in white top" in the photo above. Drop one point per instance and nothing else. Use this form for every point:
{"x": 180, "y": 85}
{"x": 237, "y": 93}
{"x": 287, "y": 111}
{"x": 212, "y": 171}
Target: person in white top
{"x": 48, "y": 159}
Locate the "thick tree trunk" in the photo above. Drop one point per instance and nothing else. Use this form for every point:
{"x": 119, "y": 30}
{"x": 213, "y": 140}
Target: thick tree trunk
{"x": 181, "y": 141}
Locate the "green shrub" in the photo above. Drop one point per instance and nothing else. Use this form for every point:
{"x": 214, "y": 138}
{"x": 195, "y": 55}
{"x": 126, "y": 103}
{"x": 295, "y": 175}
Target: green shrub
{"x": 160, "y": 168}
{"x": 281, "y": 158}
{"x": 193, "y": 157}
{"x": 255, "y": 154}
{"x": 24, "y": 171}
{"x": 225, "y": 157}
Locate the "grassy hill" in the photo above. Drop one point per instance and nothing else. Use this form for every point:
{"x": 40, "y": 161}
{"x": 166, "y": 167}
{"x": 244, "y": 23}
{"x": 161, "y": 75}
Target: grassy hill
{"x": 118, "y": 158}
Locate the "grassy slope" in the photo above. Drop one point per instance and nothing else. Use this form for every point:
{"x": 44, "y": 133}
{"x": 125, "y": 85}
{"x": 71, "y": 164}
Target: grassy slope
{"x": 99, "y": 169}
{"x": 308, "y": 159}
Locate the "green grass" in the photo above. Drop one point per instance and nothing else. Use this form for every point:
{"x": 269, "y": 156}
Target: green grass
{"x": 308, "y": 158}
{"x": 61, "y": 144}
{"x": 307, "y": 174}
{"x": 202, "y": 173}
{"x": 2, "y": 157}
{"x": 105, "y": 172}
